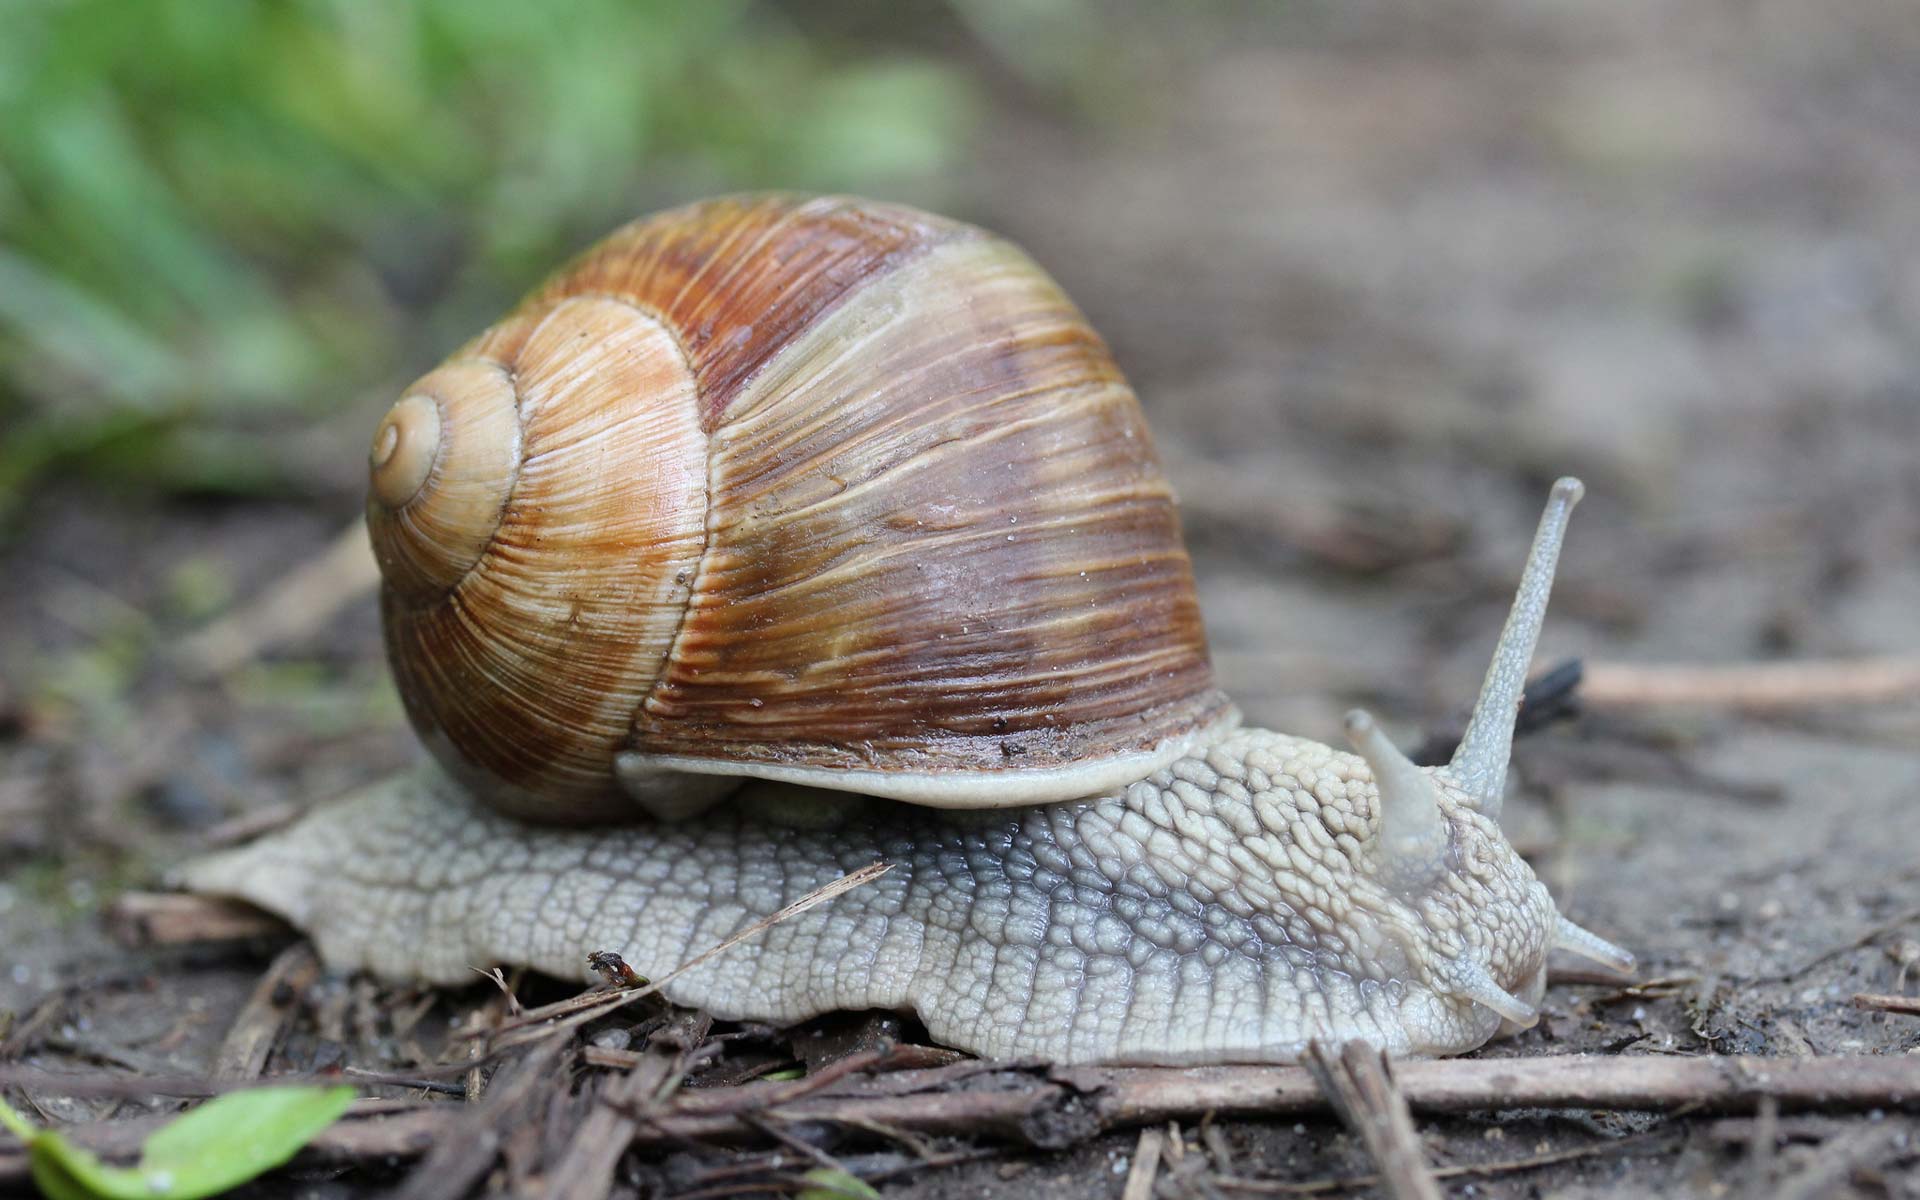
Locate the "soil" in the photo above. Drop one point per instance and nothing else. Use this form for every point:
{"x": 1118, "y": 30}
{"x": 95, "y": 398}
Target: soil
{"x": 1377, "y": 281}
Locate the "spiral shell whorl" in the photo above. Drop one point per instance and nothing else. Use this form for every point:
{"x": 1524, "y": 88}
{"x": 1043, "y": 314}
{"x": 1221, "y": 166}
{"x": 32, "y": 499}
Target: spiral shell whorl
{"x": 442, "y": 465}
{"x": 817, "y": 489}
{"x": 522, "y": 669}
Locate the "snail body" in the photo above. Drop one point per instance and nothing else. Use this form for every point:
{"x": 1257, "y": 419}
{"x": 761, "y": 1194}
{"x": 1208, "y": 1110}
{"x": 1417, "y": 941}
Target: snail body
{"x": 774, "y": 537}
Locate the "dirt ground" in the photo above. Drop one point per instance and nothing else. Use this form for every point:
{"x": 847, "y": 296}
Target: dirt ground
{"x": 1376, "y": 290}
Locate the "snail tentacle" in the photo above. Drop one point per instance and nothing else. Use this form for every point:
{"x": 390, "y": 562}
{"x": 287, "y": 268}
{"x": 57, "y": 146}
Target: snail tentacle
{"x": 1480, "y": 764}
{"x": 1412, "y": 838}
{"x": 1592, "y": 947}
{"x": 1471, "y": 981}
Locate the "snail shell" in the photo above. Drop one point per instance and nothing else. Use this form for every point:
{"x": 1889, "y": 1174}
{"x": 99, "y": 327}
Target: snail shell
{"x": 826, "y": 491}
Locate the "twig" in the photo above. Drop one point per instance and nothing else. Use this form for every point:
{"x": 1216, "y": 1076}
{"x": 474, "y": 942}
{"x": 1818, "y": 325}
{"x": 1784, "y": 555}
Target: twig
{"x": 267, "y": 1012}
{"x": 176, "y": 919}
{"x": 1358, "y": 1082}
{"x": 197, "y": 1087}
{"x": 414, "y": 1083}
{"x": 586, "y": 1006}
{"x": 929, "y": 1161}
{"x": 499, "y": 980}
{"x": 1753, "y": 687}
{"x": 295, "y": 607}
{"x": 384, "y": 1138}
{"x": 44, "y": 1016}
{"x": 610, "y": 1058}
{"x": 798, "y": 1146}
{"x": 1548, "y": 696}
{"x": 1064, "y": 1106}
{"x": 919, "y": 1147}
{"x": 1146, "y": 1164}
{"x": 1764, "y": 1143}
{"x": 463, "y": 1154}
{"x": 585, "y": 1171}
{"x": 476, "y": 1053}
{"x": 792, "y": 1089}
{"x": 1049, "y": 1108}
{"x": 1906, "y": 1005}
{"x": 70, "y": 1040}
{"x": 1219, "y": 1153}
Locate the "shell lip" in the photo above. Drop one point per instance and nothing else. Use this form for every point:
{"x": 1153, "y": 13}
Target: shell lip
{"x": 1002, "y": 787}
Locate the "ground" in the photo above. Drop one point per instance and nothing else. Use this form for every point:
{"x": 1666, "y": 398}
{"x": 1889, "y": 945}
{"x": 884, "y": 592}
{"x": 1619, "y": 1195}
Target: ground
{"x": 1375, "y": 291}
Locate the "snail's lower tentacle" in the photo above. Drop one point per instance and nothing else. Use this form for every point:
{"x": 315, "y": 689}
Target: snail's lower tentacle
{"x": 1592, "y": 947}
{"x": 1471, "y": 981}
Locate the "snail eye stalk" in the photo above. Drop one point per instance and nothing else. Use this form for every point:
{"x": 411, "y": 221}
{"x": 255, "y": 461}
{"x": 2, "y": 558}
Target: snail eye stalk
{"x": 1480, "y": 764}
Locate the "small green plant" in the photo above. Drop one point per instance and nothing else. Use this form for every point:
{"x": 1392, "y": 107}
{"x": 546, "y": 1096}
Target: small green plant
{"x": 219, "y": 1145}
{"x": 829, "y": 1183}
{"x": 220, "y": 218}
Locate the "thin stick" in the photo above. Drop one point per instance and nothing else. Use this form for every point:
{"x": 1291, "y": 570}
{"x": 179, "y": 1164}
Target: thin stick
{"x": 1050, "y": 1109}
{"x": 1752, "y": 687}
{"x": 196, "y": 1087}
{"x": 463, "y": 1155}
{"x": 585, "y": 1171}
{"x": 1146, "y": 1164}
{"x": 1906, "y": 1005}
{"x": 45, "y": 1015}
{"x": 1764, "y": 1144}
{"x": 578, "y": 1010}
{"x": 824, "y": 1078}
{"x": 1008, "y": 1095}
{"x": 499, "y": 980}
{"x": 1064, "y": 1106}
{"x": 176, "y": 919}
{"x": 1358, "y": 1082}
{"x": 266, "y": 1014}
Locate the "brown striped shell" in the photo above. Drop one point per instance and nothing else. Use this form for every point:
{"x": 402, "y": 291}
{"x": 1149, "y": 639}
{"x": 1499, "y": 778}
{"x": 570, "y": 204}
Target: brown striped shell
{"x": 809, "y": 489}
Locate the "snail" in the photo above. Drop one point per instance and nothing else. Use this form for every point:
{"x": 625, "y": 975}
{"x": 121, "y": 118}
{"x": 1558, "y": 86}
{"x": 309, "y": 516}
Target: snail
{"x": 777, "y": 536}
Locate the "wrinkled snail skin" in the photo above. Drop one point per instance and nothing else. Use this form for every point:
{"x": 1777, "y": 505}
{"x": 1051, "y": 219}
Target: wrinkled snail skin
{"x": 1226, "y": 909}
{"x": 775, "y": 538}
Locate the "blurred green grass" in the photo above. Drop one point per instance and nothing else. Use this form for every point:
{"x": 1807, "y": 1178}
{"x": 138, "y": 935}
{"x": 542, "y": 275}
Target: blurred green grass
{"x": 223, "y": 216}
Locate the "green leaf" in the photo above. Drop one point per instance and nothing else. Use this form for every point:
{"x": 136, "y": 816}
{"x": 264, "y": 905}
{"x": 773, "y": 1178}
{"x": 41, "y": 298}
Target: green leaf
{"x": 15, "y": 1124}
{"x": 219, "y": 1145}
{"x": 827, "y": 1183}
